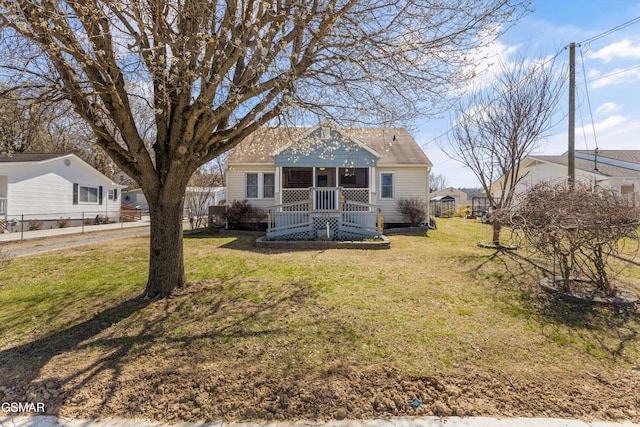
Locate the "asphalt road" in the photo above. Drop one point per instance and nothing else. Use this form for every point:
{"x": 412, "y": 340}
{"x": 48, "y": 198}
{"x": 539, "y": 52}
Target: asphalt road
{"x": 52, "y": 243}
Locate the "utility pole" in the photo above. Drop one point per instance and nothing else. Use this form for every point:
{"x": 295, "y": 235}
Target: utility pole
{"x": 572, "y": 114}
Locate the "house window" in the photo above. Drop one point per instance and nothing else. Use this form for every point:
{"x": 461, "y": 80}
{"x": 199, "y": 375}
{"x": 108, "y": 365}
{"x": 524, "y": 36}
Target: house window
{"x": 113, "y": 195}
{"x": 252, "y": 186}
{"x": 386, "y": 186}
{"x": 354, "y": 177}
{"x": 297, "y": 177}
{"x": 261, "y": 185}
{"x": 89, "y": 194}
{"x": 268, "y": 185}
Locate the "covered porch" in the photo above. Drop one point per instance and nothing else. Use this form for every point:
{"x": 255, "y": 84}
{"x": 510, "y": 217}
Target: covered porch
{"x": 325, "y": 213}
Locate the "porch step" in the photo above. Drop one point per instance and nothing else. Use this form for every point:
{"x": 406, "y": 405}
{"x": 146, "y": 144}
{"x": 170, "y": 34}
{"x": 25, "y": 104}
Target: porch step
{"x": 302, "y": 230}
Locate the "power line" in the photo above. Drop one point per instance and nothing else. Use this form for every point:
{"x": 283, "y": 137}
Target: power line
{"x": 611, "y": 31}
{"x": 626, "y": 70}
{"x": 452, "y": 127}
{"x": 586, "y": 89}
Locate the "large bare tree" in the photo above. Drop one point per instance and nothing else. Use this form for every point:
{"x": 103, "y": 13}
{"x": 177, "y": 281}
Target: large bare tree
{"x": 207, "y": 73}
{"x": 499, "y": 125}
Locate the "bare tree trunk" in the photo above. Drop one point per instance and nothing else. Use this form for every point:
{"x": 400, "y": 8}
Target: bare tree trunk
{"x": 166, "y": 264}
{"x": 497, "y": 226}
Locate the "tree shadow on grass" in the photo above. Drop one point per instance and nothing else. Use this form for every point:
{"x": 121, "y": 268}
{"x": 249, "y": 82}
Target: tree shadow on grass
{"x": 21, "y": 366}
{"x": 604, "y": 332}
{"x": 89, "y": 366}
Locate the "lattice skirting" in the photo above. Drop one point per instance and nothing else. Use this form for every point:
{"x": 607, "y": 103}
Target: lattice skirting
{"x": 320, "y": 226}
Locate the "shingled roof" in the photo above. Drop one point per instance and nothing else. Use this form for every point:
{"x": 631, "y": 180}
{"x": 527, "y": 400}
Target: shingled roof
{"x": 28, "y": 157}
{"x": 605, "y": 167}
{"x": 395, "y": 145}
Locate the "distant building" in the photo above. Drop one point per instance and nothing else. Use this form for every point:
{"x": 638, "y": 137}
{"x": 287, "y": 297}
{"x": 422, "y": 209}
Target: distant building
{"x": 618, "y": 170}
{"x": 49, "y": 186}
{"x": 459, "y": 196}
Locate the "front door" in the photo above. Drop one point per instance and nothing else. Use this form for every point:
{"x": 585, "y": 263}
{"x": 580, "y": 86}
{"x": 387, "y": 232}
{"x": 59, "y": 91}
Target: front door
{"x": 325, "y": 199}
{"x": 325, "y": 177}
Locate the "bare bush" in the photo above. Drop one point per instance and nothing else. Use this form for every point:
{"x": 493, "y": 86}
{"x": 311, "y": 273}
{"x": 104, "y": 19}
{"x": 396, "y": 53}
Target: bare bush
{"x": 63, "y": 222}
{"x": 5, "y": 259}
{"x": 34, "y": 225}
{"x": 243, "y": 215}
{"x": 413, "y": 210}
{"x": 580, "y": 228}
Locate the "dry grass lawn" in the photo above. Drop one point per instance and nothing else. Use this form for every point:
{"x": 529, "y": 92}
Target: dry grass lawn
{"x": 262, "y": 334}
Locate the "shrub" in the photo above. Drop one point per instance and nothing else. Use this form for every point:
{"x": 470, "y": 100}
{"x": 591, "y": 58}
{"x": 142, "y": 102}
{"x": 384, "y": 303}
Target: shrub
{"x": 462, "y": 211}
{"x": 5, "y": 259}
{"x": 63, "y": 222}
{"x": 34, "y": 224}
{"x": 580, "y": 228}
{"x": 413, "y": 210}
{"x": 243, "y": 215}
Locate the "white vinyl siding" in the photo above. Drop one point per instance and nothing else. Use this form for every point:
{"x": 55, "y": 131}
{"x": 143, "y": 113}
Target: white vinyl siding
{"x": 408, "y": 182}
{"x": 236, "y": 184}
{"x": 45, "y": 190}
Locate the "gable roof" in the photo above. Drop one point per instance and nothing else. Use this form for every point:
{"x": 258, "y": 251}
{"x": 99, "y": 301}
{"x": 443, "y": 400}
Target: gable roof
{"x": 29, "y": 157}
{"x": 611, "y": 163}
{"x": 395, "y": 146}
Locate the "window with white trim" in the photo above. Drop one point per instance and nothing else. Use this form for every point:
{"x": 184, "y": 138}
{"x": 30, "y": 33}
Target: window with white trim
{"x": 88, "y": 194}
{"x": 268, "y": 185}
{"x": 386, "y": 185}
{"x": 260, "y": 185}
{"x": 113, "y": 195}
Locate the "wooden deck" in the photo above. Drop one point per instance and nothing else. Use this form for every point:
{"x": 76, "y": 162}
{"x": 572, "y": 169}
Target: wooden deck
{"x": 326, "y": 214}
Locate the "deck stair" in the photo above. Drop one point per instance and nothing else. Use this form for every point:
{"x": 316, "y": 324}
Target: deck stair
{"x": 326, "y": 214}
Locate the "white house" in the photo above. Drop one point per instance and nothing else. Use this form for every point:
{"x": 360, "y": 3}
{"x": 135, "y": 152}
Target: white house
{"x": 313, "y": 179}
{"x": 135, "y": 198}
{"x": 205, "y": 196}
{"x": 618, "y": 170}
{"x": 53, "y": 186}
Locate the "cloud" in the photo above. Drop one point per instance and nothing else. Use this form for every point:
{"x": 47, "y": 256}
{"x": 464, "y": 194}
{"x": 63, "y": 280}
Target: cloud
{"x": 616, "y": 77}
{"x": 608, "y": 107}
{"x": 624, "y": 49}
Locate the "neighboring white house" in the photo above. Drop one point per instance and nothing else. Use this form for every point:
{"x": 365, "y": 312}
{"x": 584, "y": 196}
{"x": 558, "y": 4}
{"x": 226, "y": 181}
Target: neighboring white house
{"x": 618, "y": 170}
{"x": 313, "y": 178}
{"x": 135, "y": 198}
{"x": 214, "y": 196}
{"x": 54, "y": 186}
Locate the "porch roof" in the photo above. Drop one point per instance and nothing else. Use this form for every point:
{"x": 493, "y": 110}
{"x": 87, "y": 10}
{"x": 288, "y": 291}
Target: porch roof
{"x": 395, "y": 145}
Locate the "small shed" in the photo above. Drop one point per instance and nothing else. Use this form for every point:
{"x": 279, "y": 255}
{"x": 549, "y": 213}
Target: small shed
{"x": 442, "y": 206}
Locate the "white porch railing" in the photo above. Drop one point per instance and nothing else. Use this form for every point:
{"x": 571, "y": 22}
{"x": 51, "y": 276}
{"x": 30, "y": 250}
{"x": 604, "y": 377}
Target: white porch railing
{"x": 288, "y": 219}
{"x": 324, "y": 208}
{"x": 325, "y": 199}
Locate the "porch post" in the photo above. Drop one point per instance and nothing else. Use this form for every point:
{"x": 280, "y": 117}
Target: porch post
{"x": 278, "y": 185}
{"x": 372, "y": 185}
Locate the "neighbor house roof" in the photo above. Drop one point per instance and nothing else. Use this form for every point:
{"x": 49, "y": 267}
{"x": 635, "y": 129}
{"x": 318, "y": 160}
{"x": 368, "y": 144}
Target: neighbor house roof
{"x": 31, "y": 160}
{"x": 29, "y": 157}
{"x": 611, "y": 163}
{"x": 395, "y": 145}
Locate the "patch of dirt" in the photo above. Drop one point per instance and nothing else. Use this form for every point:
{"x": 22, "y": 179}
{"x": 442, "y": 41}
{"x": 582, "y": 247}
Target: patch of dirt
{"x": 80, "y": 380}
{"x": 585, "y": 291}
{"x": 165, "y": 393}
